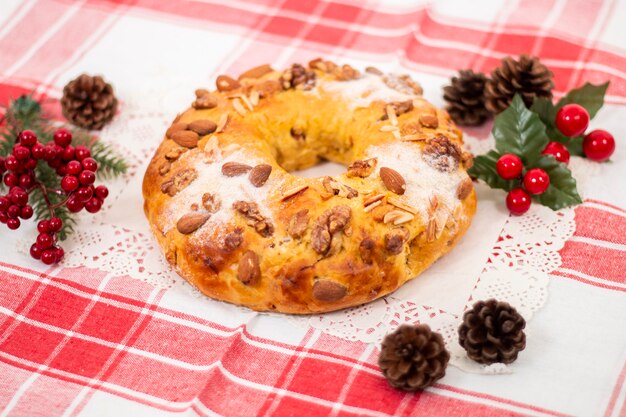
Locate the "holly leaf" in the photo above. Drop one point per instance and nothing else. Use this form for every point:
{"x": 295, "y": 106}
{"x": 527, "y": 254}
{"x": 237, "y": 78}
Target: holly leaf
{"x": 590, "y": 96}
{"x": 574, "y": 144}
{"x": 520, "y": 131}
{"x": 562, "y": 190}
{"x": 484, "y": 168}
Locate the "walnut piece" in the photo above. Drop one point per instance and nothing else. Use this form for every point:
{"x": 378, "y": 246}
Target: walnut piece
{"x": 180, "y": 180}
{"x": 336, "y": 188}
{"x": 298, "y": 224}
{"x": 210, "y": 202}
{"x": 362, "y": 168}
{"x": 330, "y": 223}
{"x": 399, "y": 107}
{"x": 233, "y": 239}
{"x": 250, "y": 211}
{"x": 442, "y": 154}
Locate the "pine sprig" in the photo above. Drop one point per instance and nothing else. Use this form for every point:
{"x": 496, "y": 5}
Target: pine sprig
{"x": 26, "y": 113}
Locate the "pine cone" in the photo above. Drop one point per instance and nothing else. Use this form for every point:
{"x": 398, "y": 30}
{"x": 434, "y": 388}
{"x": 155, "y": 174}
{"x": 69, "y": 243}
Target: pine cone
{"x": 413, "y": 357}
{"x": 88, "y": 102}
{"x": 466, "y": 101}
{"x": 297, "y": 75}
{"x": 492, "y": 331}
{"x": 528, "y": 77}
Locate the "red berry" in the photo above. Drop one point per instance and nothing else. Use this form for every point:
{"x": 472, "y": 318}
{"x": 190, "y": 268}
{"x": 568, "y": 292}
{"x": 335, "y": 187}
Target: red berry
{"x": 598, "y": 145}
{"x": 26, "y": 181}
{"x": 13, "y": 212}
{"x": 102, "y": 192}
{"x": 38, "y": 151}
{"x": 35, "y": 251}
{"x": 68, "y": 153}
{"x": 30, "y": 163}
{"x": 60, "y": 253}
{"x": 82, "y": 152}
{"x": 43, "y": 226}
{"x": 74, "y": 204}
{"x": 48, "y": 256}
{"x": 572, "y": 120}
{"x": 69, "y": 183}
{"x": 44, "y": 240}
{"x": 55, "y": 224}
{"x": 87, "y": 177}
{"x": 84, "y": 194}
{"x": 28, "y": 138}
{"x": 93, "y": 205}
{"x": 21, "y": 153}
{"x": 73, "y": 168}
{"x": 62, "y": 170}
{"x": 518, "y": 201}
{"x": 558, "y": 150}
{"x": 509, "y": 166}
{"x": 27, "y": 212}
{"x": 13, "y": 224}
{"x": 3, "y": 217}
{"x": 19, "y": 196}
{"x": 5, "y": 203}
{"x": 11, "y": 179}
{"x": 536, "y": 181}
{"x": 62, "y": 137}
{"x": 49, "y": 152}
{"x": 12, "y": 164}
{"x": 90, "y": 164}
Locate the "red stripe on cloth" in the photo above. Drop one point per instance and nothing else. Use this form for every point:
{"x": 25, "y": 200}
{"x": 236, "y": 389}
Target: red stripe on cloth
{"x": 595, "y": 283}
{"x": 619, "y": 384}
{"x": 598, "y": 224}
{"x": 36, "y": 401}
{"x": 606, "y": 204}
{"x": 11, "y": 378}
{"x": 599, "y": 262}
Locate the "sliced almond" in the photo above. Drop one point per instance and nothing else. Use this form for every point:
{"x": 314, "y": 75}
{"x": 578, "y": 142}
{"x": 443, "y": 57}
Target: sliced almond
{"x": 393, "y": 180}
{"x": 256, "y": 72}
{"x": 414, "y": 138}
{"x": 186, "y": 138}
{"x": 246, "y": 101}
{"x": 464, "y": 189}
{"x": 176, "y": 127}
{"x": 249, "y": 270}
{"x": 212, "y": 150}
{"x": 398, "y": 217}
{"x": 396, "y": 134}
{"x": 239, "y": 107}
{"x": 234, "y": 169}
{"x": 431, "y": 230}
{"x": 191, "y": 222}
{"x": 222, "y": 122}
{"x": 203, "y": 127}
{"x": 201, "y": 92}
{"x": 293, "y": 192}
{"x": 388, "y": 128}
{"x": 372, "y": 206}
{"x": 259, "y": 174}
{"x": 254, "y": 98}
{"x": 399, "y": 204}
{"x": 226, "y": 83}
{"x": 373, "y": 199}
{"x": 391, "y": 115}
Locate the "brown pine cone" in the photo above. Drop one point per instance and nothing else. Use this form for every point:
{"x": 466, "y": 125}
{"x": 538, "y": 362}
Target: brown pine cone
{"x": 88, "y": 102}
{"x": 527, "y": 77}
{"x": 297, "y": 75}
{"x": 466, "y": 101}
{"x": 413, "y": 357}
{"x": 492, "y": 331}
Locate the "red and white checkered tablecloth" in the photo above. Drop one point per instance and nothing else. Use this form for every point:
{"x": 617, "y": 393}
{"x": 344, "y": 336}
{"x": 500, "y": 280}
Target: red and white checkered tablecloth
{"x": 84, "y": 342}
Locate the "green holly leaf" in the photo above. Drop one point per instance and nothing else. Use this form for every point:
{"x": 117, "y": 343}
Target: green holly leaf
{"x": 574, "y": 144}
{"x": 590, "y": 96}
{"x": 484, "y": 168}
{"x": 520, "y": 131}
{"x": 562, "y": 190}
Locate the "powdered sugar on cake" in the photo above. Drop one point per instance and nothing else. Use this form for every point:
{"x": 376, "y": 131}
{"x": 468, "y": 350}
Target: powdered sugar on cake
{"x": 226, "y": 189}
{"x": 422, "y": 180}
{"x": 363, "y": 91}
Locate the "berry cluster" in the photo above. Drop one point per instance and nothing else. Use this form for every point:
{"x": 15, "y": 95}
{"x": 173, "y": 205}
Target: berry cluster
{"x": 535, "y": 181}
{"x": 78, "y": 172}
{"x": 572, "y": 120}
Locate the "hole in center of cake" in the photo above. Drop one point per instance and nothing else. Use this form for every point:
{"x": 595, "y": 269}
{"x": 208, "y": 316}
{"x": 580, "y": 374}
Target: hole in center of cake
{"x": 321, "y": 169}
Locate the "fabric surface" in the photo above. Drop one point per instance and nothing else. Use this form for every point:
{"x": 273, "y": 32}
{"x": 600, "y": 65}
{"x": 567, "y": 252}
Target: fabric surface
{"x": 83, "y": 342}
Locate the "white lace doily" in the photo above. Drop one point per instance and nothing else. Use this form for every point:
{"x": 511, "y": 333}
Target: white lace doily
{"x": 524, "y": 250}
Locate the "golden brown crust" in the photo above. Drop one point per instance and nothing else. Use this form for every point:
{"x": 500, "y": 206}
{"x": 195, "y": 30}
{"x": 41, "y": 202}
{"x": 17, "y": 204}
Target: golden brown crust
{"x": 255, "y": 235}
